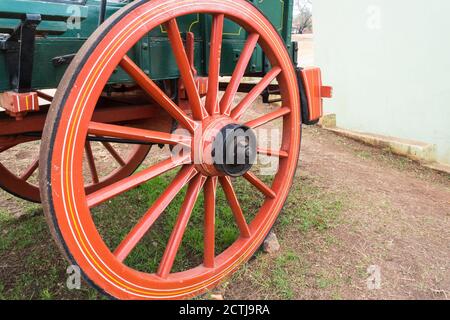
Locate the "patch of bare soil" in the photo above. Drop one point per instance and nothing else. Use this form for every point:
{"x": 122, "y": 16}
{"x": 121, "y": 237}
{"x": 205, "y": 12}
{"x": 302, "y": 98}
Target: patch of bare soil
{"x": 391, "y": 240}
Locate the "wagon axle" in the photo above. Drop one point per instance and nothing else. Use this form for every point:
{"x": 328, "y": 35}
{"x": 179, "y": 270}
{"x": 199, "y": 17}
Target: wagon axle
{"x": 38, "y": 136}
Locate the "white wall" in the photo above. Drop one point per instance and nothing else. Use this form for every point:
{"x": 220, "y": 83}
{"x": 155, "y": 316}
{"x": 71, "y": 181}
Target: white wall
{"x": 389, "y": 64}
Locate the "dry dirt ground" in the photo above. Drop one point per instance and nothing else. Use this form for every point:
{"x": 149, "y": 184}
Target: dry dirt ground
{"x": 394, "y": 225}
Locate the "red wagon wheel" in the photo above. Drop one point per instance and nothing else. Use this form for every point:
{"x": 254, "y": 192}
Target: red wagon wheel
{"x": 22, "y": 180}
{"x": 69, "y": 208}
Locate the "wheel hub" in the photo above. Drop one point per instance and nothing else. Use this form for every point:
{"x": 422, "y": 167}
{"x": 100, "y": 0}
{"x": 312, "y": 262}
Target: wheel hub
{"x": 226, "y": 149}
{"x": 234, "y": 150}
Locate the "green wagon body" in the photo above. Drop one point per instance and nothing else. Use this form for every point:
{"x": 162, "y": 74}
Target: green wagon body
{"x": 59, "y": 35}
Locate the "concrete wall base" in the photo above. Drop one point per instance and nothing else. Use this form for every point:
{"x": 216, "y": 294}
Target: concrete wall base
{"x": 419, "y": 151}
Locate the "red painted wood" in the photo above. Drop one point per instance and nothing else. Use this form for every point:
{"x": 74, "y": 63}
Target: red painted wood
{"x": 142, "y": 135}
{"x": 91, "y": 162}
{"x": 235, "y": 206}
{"x": 156, "y": 93}
{"x": 274, "y": 153}
{"x": 261, "y": 186}
{"x": 180, "y": 226}
{"x": 30, "y": 170}
{"x": 98, "y": 262}
{"x": 114, "y": 153}
{"x": 210, "y": 190}
{"x": 268, "y": 117}
{"x": 133, "y": 181}
{"x": 214, "y": 64}
{"x": 250, "y": 98}
{"x": 198, "y": 110}
{"x": 157, "y": 208}
{"x": 238, "y": 74}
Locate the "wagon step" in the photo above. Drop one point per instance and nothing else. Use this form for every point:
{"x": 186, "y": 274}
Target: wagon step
{"x": 312, "y": 93}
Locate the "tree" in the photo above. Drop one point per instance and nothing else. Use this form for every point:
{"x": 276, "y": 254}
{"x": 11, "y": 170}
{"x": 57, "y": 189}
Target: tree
{"x": 303, "y": 18}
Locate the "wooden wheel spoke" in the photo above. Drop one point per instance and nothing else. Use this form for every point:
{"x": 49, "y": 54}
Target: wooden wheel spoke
{"x": 268, "y": 118}
{"x": 91, "y": 161}
{"x": 273, "y": 153}
{"x": 114, "y": 153}
{"x": 214, "y": 64}
{"x": 133, "y": 181}
{"x": 180, "y": 226}
{"x": 242, "y": 107}
{"x": 198, "y": 110}
{"x": 210, "y": 216}
{"x": 147, "y": 221}
{"x": 135, "y": 134}
{"x": 235, "y": 206}
{"x": 238, "y": 74}
{"x": 156, "y": 93}
{"x": 260, "y": 185}
{"x": 30, "y": 170}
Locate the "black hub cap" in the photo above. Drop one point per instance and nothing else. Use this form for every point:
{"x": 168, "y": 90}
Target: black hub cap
{"x": 234, "y": 150}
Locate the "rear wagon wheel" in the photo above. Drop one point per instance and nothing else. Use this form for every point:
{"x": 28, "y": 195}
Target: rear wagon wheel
{"x": 23, "y": 183}
{"x": 69, "y": 208}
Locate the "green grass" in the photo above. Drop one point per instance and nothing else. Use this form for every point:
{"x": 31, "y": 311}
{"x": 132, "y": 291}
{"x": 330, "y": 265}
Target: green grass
{"x": 272, "y": 276}
{"x": 20, "y": 234}
{"x": 324, "y": 282}
{"x": 363, "y": 154}
{"x": 46, "y": 295}
{"x": 311, "y": 209}
{"x": 35, "y": 269}
{"x": 4, "y": 216}
{"x": 31, "y": 265}
{"x": 2, "y": 288}
{"x": 281, "y": 274}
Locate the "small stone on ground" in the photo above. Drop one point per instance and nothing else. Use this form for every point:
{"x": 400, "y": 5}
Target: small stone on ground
{"x": 271, "y": 244}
